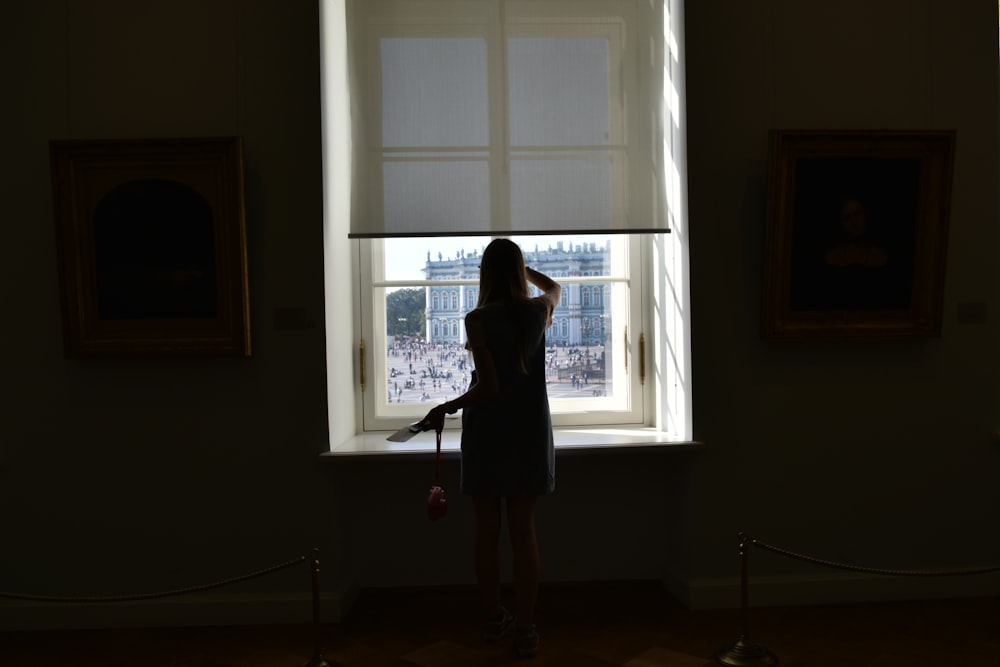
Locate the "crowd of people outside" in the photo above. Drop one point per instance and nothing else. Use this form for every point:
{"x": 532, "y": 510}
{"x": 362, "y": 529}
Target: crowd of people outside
{"x": 430, "y": 372}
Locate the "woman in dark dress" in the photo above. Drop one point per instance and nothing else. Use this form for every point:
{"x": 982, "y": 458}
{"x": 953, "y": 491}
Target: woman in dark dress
{"x": 507, "y": 451}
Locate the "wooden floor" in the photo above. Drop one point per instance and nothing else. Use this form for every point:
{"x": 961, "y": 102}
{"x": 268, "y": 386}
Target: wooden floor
{"x": 585, "y": 626}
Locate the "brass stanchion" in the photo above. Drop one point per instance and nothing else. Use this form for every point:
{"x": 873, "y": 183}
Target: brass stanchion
{"x": 744, "y": 653}
{"x": 317, "y": 660}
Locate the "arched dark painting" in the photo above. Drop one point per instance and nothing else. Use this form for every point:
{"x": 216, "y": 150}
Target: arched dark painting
{"x": 152, "y": 247}
{"x": 155, "y": 252}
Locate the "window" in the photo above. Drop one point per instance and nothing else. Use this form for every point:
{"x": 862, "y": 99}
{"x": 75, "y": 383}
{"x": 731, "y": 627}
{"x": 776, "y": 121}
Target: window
{"x": 492, "y": 117}
{"x": 587, "y": 359}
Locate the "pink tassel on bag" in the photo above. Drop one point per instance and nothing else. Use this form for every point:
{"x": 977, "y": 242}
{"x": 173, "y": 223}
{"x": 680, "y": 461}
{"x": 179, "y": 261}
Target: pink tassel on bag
{"x": 437, "y": 506}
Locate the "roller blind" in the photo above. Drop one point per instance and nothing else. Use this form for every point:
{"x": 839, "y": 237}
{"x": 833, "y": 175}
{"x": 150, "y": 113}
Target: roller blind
{"x": 504, "y": 117}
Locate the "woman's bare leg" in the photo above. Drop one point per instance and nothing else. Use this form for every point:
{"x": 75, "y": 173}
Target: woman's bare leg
{"x": 487, "y": 551}
{"x": 525, "y": 556}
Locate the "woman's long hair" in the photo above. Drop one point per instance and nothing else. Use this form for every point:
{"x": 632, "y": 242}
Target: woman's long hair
{"x": 502, "y": 280}
{"x": 501, "y": 273}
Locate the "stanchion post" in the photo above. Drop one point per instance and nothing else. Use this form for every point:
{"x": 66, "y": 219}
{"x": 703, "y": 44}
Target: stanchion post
{"x": 744, "y": 653}
{"x": 317, "y": 660}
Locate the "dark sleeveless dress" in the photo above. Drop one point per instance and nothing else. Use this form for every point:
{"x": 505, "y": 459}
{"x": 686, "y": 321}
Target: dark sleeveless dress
{"x": 507, "y": 447}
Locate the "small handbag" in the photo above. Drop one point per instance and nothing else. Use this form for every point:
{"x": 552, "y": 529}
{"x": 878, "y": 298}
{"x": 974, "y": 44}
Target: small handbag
{"x": 437, "y": 506}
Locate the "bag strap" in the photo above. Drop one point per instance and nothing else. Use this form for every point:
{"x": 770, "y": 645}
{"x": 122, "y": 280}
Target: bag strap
{"x": 437, "y": 461}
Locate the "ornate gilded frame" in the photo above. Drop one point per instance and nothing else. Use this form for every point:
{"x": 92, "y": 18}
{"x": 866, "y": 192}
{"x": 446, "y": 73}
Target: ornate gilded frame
{"x": 152, "y": 247}
{"x": 856, "y": 233}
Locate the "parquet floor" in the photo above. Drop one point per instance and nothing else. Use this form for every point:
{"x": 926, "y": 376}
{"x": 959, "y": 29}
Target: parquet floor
{"x": 624, "y": 625}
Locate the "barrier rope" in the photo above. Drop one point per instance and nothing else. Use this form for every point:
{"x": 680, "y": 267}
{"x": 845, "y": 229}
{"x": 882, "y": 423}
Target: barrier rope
{"x": 149, "y": 596}
{"x": 744, "y": 653}
{"x": 317, "y": 659}
{"x": 869, "y": 570}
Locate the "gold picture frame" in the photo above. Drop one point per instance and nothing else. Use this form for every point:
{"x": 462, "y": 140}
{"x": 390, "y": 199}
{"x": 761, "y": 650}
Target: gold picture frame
{"x": 151, "y": 239}
{"x": 856, "y": 233}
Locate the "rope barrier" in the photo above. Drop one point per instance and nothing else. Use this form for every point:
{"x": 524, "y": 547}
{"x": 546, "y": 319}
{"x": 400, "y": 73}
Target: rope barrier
{"x": 150, "y": 596}
{"x": 744, "y": 653}
{"x": 316, "y": 661}
{"x": 874, "y": 570}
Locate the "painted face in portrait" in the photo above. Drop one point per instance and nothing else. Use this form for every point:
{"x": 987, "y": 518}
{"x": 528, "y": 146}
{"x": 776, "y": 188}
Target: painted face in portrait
{"x": 852, "y": 217}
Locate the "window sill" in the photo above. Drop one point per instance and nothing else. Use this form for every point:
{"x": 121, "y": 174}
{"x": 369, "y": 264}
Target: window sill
{"x": 569, "y": 441}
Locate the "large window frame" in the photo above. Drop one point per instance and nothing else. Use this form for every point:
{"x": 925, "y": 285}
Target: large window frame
{"x": 666, "y": 294}
{"x": 629, "y": 403}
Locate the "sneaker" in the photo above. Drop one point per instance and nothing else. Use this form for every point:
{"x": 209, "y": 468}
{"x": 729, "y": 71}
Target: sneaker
{"x": 526, "y": 642}
{"x": 498, "y": 626}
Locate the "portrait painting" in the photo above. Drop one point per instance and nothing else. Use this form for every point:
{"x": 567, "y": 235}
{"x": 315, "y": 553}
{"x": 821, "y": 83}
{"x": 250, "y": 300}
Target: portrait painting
{"x": 856, "y": 233}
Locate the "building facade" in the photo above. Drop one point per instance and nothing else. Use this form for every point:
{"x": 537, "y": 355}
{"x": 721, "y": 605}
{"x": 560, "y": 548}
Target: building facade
{"x": 578, "y": 321}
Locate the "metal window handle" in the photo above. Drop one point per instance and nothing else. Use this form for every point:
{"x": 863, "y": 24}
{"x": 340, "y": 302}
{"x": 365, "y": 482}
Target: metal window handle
{"x": 626, "y": 350}
{"x": 642, "y": 358}
{"x": 361, "y": 357}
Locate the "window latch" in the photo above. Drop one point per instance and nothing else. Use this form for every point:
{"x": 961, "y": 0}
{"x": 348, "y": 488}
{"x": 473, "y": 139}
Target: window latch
{"x": 626, "y": 350}
{"x": 361, "y": 366}
{"x": 642, "y": 358}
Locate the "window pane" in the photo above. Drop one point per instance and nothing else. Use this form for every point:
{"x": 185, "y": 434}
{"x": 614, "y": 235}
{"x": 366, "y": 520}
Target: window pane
{"x": 558, "y": 91}
{"x": 567, "y": 194}
{"x": 453, "y": 258}
{"x": 426, "y": 360}
{"x": 433, "y": 92}
{"x": 444, "y": 196}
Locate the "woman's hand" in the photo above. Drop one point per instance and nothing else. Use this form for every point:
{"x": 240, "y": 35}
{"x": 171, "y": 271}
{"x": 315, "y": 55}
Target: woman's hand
{"x": 434, "y": 419}
{"x": 551, "y": 291}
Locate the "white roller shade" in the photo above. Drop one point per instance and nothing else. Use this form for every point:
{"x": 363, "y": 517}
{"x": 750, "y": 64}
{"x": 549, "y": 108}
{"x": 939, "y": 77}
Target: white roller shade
{"x": 506, "y": 117}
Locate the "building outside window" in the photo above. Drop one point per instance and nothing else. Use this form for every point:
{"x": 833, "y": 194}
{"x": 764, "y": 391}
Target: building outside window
{"x": 580, "y": 316}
